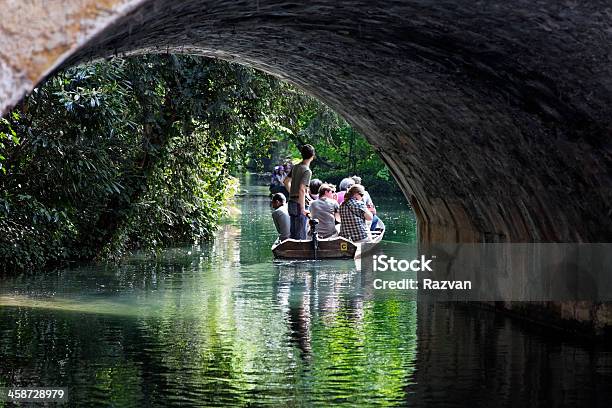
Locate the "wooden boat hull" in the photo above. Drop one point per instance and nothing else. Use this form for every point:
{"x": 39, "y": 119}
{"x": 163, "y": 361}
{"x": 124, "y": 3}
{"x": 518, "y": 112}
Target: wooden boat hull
{"x": 333, "y": 248}
{"x": 329, "y": 248}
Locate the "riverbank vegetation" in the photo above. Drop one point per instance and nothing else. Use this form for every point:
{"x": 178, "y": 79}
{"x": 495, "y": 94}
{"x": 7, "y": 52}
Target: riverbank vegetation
{"x": 139, "y": 152}
{"x": 341, "y": 150}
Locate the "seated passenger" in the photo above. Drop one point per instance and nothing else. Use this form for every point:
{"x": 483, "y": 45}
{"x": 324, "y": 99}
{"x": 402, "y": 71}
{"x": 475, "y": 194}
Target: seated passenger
{"x": 345, "y": 184}
{"x": 326, "y": 210}
{"x": 276, "y": 181}
{"x": 313, "y": 191}
{"x": 354, "y": 214}
{"x": 288, "y": 168}
{"x": 277, "y": 176}
{"x": 369, "y": 204}
{"x": 281, "y": 216}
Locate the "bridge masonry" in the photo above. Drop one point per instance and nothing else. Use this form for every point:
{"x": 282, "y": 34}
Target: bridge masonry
{"x": 493, "y": 117}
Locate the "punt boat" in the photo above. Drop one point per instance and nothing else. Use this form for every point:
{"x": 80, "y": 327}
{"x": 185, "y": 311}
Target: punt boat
{"x": 327, "y": 248}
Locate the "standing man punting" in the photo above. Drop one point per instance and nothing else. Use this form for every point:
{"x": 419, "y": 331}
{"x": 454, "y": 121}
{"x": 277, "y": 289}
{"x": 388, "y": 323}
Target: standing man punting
{"x": 300, "y": 179}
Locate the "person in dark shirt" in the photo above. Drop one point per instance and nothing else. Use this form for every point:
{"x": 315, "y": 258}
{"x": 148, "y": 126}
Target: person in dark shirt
{"x": 313, "y": 191}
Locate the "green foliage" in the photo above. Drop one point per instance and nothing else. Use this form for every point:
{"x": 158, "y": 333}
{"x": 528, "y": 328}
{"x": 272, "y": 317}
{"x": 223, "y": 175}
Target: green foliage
{"x": 7, "y": 137}
{"x": 341, "y": 151}
{"x": 139, "y": 152}
{"x": 129, "y": 153}
{"x": 64, "y": 161}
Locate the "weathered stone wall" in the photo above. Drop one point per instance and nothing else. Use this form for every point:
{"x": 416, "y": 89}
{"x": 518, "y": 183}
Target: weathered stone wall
{"x": 493, "y": 116}
{"x": 37, "y": 35}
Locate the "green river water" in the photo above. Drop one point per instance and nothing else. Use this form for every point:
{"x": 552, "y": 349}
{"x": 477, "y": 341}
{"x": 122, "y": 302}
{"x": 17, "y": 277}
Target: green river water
{"x": 224, "y": 325}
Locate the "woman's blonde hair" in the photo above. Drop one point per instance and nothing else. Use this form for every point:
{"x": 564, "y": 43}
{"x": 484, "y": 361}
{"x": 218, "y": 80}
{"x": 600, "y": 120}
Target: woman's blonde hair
{"x": 355, "y": 189}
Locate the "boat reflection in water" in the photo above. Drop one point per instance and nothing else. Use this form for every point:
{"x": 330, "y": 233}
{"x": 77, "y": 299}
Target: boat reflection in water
{"x": 224, "y": 324}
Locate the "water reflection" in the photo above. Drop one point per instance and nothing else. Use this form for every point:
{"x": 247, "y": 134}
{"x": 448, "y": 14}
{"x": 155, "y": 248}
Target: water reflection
{"x": 215, "y": 325}
{"x": 473, "y": 357}
{"x": 225, "y": 325}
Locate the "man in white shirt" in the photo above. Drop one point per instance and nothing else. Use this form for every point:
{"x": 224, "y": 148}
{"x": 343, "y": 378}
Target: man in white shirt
{"x": 281, "y": 216}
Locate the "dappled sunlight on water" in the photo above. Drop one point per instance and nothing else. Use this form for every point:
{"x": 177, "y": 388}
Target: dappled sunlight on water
{"x": 221, "y": 324}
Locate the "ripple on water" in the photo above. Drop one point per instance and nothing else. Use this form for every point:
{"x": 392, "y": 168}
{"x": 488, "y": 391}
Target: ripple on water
{"x": 224, "y": 325}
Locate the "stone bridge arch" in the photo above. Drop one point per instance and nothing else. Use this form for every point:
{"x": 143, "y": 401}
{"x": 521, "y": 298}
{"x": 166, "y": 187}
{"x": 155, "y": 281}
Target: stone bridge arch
{"x": 494, "y": 116}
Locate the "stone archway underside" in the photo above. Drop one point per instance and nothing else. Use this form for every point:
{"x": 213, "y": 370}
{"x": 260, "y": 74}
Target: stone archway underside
{"x": 495, "y": 117}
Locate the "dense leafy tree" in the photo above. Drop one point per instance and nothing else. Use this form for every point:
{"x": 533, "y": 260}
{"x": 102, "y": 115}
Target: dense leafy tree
{"x": 139, "y": 153}
{"x": 341, "y": 151}
{"x": 130, "y": 152}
